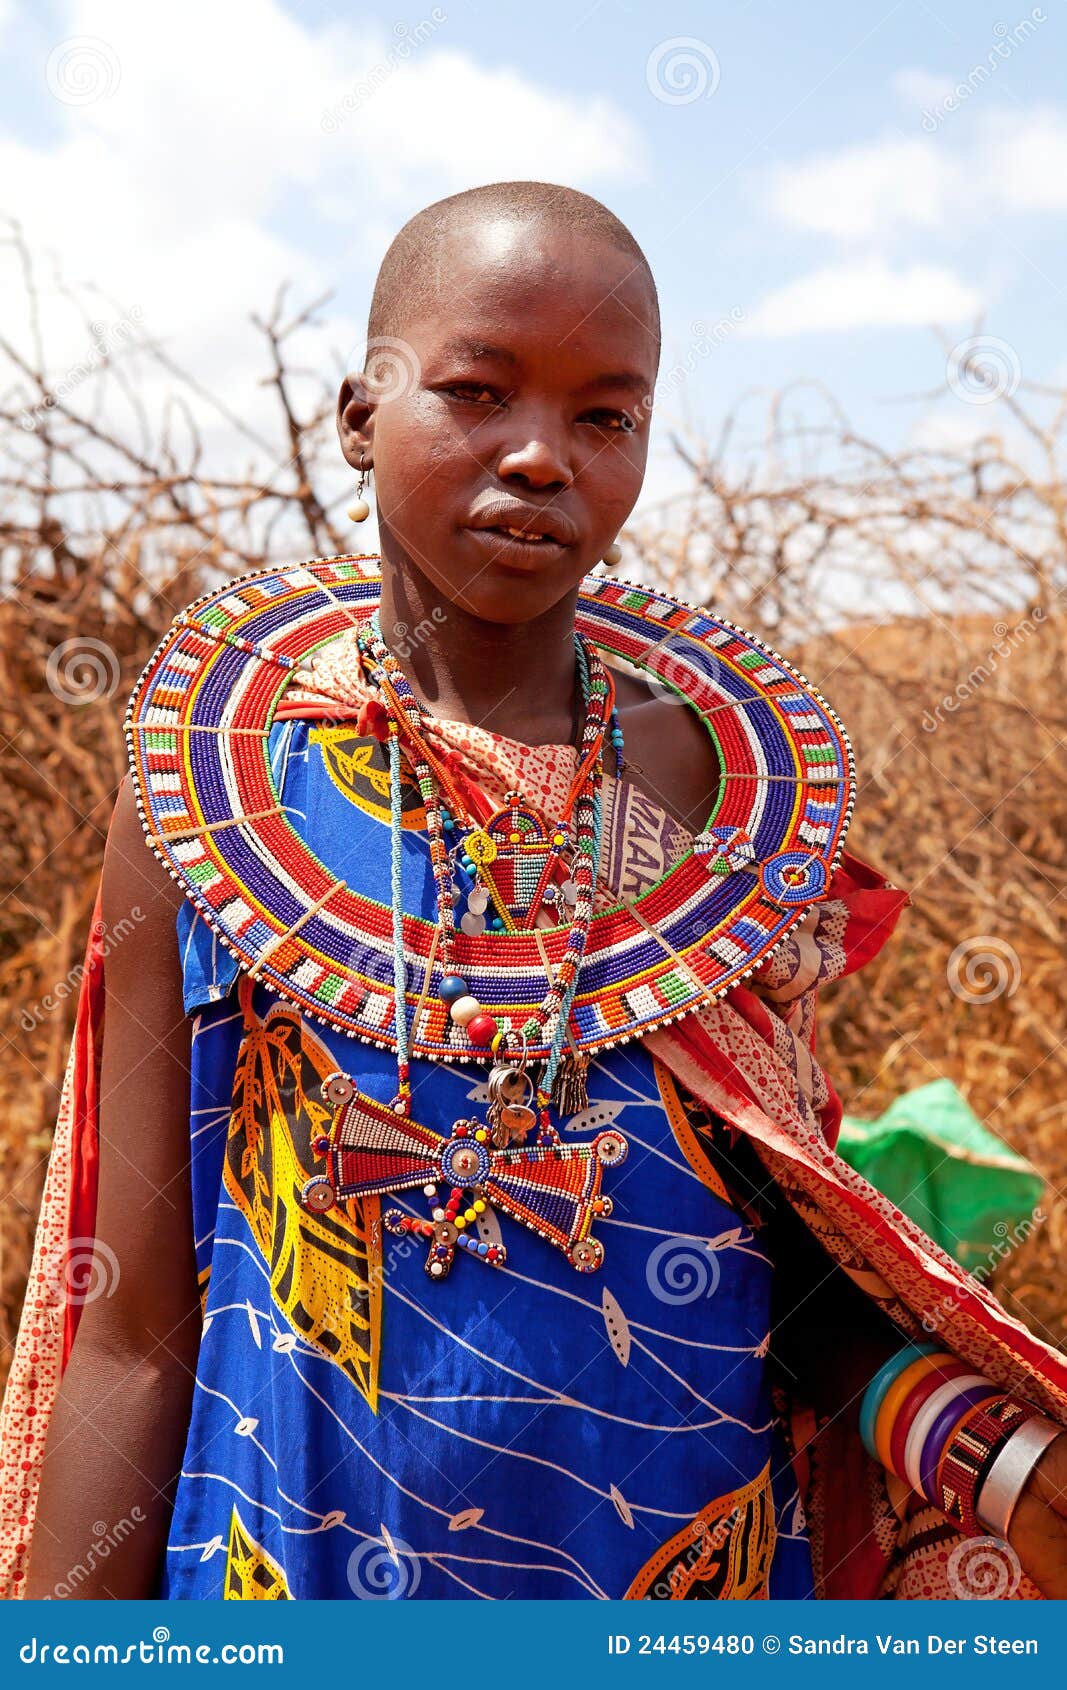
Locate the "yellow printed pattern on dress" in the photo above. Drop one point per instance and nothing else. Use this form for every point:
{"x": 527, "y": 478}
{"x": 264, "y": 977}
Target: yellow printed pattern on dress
{"x": 359, "y": 769}
{"x": 325, "y": 1269}
{"x": 687, "y": 1127}
{"x": 724, "y": 1554}
{"x": 251, "y": 1574}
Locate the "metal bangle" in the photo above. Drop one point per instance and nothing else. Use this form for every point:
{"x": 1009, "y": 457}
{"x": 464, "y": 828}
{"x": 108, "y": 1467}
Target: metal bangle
{"x": 1006, "y": 1479}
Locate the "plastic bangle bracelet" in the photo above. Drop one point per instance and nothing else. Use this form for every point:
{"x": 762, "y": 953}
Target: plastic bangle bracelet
{"x": 1006, "y": 1479}
{"x": 941, "y": 1432}
{"x": 924, "y": 1420}
{"x": 879, "y": 1385}
{"x": 898, "y": 1393}
{"x": 909, "y": 1408}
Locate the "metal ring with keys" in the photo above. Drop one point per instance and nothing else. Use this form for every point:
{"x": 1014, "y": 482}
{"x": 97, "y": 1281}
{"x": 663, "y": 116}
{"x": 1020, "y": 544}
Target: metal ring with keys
{"x": 511, "y": 1092}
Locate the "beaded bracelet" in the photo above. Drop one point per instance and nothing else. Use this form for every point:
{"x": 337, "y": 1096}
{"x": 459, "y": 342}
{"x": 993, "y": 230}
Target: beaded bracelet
{"x": 946, "y": 1426}
{"x": 948, "y": 1432}
{"x": 935, "y": 1409}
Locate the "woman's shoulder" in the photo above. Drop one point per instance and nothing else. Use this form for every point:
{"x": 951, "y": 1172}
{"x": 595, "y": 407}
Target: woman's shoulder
{"x": 667, "y": 752}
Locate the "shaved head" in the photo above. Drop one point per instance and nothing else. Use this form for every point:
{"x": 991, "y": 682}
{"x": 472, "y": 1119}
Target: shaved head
{"x": 414, "y": 271}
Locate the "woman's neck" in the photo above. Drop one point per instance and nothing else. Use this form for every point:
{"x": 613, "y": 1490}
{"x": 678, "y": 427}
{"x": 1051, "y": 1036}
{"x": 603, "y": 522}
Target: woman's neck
{"x": 516, "y": 679}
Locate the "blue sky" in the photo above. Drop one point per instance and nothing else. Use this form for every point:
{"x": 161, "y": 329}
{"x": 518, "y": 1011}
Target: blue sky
{"x": 804, "y": 180}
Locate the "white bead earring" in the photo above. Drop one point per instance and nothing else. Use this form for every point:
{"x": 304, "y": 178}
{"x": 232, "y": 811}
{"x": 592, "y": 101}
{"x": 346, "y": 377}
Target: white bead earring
{"x": 359, "y": 510}
{"x": 612, "y": 555}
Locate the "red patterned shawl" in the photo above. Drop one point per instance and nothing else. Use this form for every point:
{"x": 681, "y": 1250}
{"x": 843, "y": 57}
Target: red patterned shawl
{"x": 750, "y": 1058}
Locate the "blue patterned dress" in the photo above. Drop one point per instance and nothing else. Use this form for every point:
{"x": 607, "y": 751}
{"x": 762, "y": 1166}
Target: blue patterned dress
{"x": 359, "y": 1431}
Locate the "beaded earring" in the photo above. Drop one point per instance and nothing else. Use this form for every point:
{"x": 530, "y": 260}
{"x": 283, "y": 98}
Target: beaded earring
{"x": 359, "y": 510}
{"x": 612, "y": 555}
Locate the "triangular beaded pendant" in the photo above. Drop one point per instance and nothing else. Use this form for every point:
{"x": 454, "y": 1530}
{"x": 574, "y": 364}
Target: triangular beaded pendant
{"x": 515, "y": 856}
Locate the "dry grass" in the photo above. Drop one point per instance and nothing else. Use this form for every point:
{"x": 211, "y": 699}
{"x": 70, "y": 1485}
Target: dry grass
{"x": 967, "y": 806}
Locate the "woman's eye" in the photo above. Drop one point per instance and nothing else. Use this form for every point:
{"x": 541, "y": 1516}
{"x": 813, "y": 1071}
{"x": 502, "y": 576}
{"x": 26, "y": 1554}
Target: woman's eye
{"x": 619, "y": 421}
{"x": 476, "y": 391}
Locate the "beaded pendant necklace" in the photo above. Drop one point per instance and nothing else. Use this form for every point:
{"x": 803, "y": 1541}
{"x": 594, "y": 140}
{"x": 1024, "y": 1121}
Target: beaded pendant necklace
{"x": 372, "y": 1148}
{"x": 205, "y": 714}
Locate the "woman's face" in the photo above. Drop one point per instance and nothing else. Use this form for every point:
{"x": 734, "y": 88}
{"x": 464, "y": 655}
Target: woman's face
{"x": 523, "y": 404}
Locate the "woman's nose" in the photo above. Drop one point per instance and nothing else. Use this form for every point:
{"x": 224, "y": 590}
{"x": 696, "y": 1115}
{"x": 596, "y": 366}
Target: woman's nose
{"x": 538, "y": 461}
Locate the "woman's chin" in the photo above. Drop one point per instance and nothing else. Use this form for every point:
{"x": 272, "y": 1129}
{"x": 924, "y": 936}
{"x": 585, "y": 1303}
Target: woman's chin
{"x": 510, "y": 581}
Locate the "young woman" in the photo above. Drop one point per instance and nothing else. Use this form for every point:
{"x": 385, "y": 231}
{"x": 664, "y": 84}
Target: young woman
{"x": 465, "y": 1171}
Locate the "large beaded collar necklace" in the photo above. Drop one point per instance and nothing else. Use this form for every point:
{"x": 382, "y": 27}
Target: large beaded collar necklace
{"x": 197, "y": 730}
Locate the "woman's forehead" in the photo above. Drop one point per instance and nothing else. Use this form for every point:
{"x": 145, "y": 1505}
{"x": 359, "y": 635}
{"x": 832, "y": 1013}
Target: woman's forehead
{"x": 502, "y": 288}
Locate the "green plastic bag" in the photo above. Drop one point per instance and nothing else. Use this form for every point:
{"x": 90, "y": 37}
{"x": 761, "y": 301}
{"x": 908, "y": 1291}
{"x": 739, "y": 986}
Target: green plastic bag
{"x": 931, "y": 1156}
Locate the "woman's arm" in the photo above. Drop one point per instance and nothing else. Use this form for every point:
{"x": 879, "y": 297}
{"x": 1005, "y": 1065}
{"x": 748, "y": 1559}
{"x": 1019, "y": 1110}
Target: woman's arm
{"x": 118, "y": 1431}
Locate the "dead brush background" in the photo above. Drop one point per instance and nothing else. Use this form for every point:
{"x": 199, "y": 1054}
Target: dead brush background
{"x": 921, "y": 593}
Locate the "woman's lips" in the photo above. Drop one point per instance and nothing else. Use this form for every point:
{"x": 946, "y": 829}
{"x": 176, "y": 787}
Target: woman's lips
{"x": 511, "y": 549}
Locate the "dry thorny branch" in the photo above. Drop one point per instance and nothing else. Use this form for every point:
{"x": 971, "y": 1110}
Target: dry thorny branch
{"x": 920, "y": 590}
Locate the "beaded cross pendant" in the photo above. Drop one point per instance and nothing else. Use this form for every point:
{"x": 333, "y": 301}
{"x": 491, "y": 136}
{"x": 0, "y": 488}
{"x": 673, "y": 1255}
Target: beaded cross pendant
{"x": 553, "y": 1189}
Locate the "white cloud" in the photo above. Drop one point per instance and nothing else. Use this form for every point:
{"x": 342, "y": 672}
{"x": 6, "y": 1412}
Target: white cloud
{"x": 235, "y": 148}
{"x": 1027, "y": 161}
{"x": 1009, "y": 162}
{"x": 921, "y": 88}
{"x": 861, "y": 192}
{"x": 869, "y": 294}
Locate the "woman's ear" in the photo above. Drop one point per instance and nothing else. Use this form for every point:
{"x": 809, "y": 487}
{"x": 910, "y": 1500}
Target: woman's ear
{"x": 355, "y": 422}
